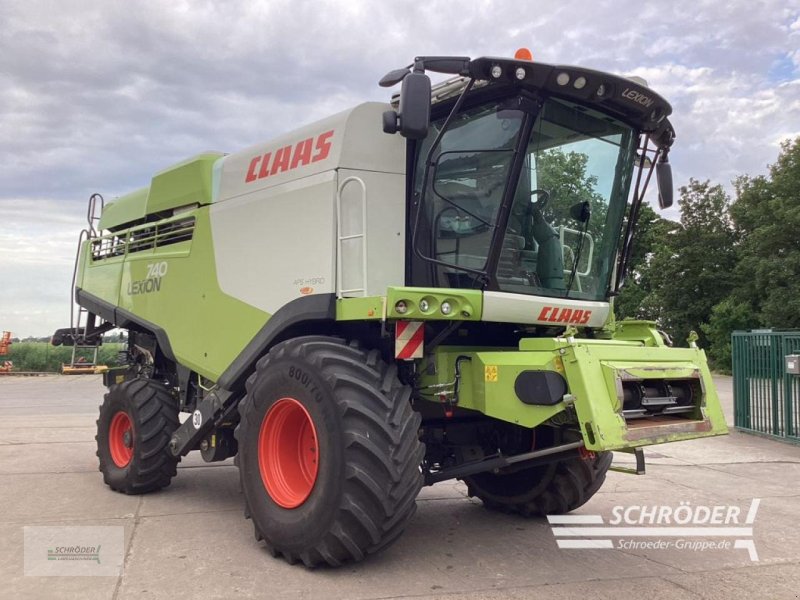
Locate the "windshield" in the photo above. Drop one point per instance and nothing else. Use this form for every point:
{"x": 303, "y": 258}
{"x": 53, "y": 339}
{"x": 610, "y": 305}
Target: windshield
{"x": 563, "y": 226}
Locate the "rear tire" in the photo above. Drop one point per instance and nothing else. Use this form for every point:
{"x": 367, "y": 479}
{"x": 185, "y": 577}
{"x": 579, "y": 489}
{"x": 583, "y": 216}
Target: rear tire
{"x": 547, "y": 490}
{"x": 329, "y": 453}
{"x": 137, "y": 419}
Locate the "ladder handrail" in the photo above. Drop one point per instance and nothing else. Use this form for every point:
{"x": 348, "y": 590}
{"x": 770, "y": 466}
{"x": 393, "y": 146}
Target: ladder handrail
{"x": 340, "y": 238}
{"x": 91, "y": 211}
{"x": 86, "y": 234}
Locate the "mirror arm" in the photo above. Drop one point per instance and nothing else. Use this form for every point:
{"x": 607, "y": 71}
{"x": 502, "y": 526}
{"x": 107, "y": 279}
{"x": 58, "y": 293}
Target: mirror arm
{"x": 638, "y": 198}
{"x": 451, "y": 65}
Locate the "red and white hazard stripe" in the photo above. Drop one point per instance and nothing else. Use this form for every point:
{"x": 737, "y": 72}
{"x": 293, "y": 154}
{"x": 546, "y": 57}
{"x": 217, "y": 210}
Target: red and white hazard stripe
{"x": 409, "y": 340}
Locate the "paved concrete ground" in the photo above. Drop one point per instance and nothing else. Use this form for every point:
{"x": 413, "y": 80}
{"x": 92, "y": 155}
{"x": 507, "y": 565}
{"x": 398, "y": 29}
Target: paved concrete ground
{"x": 191, "y": 540}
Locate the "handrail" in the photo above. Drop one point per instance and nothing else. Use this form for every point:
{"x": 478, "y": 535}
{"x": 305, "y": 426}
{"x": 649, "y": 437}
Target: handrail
{"x": 91, "y": 212}
{"x": 87, "y": 233}
{"x": 340, "y": 238}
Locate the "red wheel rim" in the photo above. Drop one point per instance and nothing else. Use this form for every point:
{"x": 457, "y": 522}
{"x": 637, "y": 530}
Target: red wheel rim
{"x": 288, "y": 454}
{"x": 120, "y": 439}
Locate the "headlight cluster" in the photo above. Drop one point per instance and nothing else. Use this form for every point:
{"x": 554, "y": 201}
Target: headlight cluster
{"x": 430, "y": 306}
{"x": 578, "y": 83}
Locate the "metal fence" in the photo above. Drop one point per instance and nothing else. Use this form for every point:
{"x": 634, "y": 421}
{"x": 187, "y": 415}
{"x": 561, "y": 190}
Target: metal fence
{"x": 766, "y": 397}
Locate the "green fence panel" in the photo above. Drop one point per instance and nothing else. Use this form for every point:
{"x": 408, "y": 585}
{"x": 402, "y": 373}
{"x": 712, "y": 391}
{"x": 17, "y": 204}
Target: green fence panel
{"x": 766, "y": 399}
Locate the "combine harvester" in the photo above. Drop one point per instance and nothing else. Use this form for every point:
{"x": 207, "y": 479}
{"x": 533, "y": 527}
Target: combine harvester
{"x": 354, "y": 314}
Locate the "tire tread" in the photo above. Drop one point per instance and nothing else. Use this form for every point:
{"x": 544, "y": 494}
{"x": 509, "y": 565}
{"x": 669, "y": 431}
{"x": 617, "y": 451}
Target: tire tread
{"x": 382, "y": 449}
{"x": 155, "y": 416}
{"x": 571, "y": 485}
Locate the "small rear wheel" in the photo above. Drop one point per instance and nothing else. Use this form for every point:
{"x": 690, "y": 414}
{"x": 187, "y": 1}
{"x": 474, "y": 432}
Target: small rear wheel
{"x": 329, "y": 455}
{"x": 552, "y": 489}
{"x": 137, "y": 419}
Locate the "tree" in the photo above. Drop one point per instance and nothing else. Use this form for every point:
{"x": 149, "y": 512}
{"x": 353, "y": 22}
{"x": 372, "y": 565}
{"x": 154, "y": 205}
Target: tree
{"x": 766, "y": 216}
{"x": 693, "y": 270}
{"x": 730, "y": 265}
{"x": 564, "y": 176}
{"x": 726, "y": 317}
{"x": 638, "y": 297}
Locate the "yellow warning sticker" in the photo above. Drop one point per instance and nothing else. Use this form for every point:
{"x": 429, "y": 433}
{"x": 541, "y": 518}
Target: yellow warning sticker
{"x": 491, "y": 372}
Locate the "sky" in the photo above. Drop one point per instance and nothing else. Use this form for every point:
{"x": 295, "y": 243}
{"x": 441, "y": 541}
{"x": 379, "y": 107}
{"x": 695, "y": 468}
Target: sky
{"x": 97, "y": 96}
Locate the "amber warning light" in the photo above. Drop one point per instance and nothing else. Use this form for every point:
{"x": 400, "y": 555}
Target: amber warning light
{"x": 523, "y": 54}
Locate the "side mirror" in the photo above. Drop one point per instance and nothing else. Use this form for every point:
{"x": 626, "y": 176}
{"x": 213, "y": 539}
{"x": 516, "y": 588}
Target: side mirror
{"x": 664, "y": 180}
{"x": 413, "y": 118}
{"x": 581, "y": 212}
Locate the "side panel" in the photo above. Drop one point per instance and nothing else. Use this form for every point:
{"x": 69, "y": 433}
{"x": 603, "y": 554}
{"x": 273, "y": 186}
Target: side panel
{"x": 487, "y": 383}
{"x": 384, "y": 194}
{"x": 277, "y": 244}
{"x": 186, "y": 183}
{"x": 130, "y": 207}
{"x": 352, "y": 139}
{"x": 503, "y": 307}
{"x": 101, "y": 278}
{"x": 175, "y": 288}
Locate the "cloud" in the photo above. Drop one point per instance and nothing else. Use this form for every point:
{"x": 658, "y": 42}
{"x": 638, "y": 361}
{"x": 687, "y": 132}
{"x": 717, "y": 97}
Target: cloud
{"x": 38, "y": 242}
{"x": 99, "y": 96}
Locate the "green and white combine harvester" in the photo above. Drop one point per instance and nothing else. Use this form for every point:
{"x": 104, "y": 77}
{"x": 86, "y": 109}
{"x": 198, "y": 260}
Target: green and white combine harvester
{"x": 354, "y": 314}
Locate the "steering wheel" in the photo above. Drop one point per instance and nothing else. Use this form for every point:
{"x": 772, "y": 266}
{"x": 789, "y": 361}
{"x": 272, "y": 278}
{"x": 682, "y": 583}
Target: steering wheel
{"x": 544, "y": 198}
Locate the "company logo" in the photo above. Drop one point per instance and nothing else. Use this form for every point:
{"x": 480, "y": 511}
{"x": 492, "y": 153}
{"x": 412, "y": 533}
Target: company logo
{"x": 152, "y": 282}
{"x": 661, "y": 527}
{"x": 637, "y": 97}
{"x": 84, "y": 551}
{"x": 553, "y": 314}
{"x": 90, "y": 553}
{"x": 303, "y": 153}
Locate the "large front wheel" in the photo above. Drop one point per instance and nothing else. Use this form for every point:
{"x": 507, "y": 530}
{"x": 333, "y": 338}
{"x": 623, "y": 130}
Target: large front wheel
{"x": 329, "y": 452}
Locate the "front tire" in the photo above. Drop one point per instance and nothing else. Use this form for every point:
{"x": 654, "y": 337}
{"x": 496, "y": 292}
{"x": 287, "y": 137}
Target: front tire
{"x": 137, "y": 419}
{"x": 329, "y": 453}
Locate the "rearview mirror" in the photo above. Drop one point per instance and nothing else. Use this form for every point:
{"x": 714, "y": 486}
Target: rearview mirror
{"x": 664, "y": 180}
{"x": 413, "y": 117}
{"x": 642, "y": 160}
{"x": 581, "y": 212}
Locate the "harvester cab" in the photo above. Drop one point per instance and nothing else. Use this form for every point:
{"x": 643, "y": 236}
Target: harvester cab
{"x": 354, "y": 313}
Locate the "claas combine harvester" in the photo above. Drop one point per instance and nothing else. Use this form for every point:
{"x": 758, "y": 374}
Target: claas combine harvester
{"x": 354, "y": 314}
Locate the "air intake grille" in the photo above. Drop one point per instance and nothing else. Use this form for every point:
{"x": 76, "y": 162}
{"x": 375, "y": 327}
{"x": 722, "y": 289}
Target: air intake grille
{"x": 144, "y": 238}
